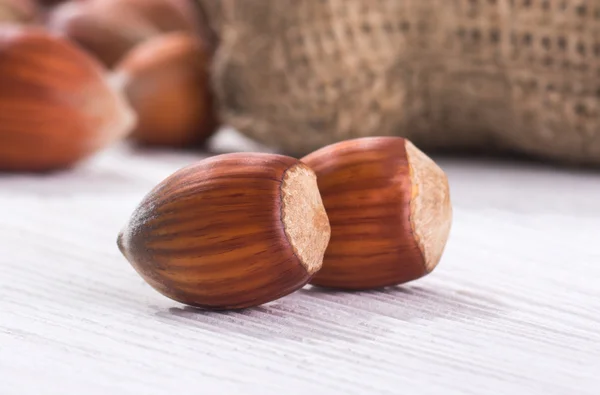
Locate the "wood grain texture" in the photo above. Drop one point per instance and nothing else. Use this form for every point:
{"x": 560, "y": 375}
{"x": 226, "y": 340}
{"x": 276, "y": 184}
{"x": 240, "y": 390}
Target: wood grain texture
{"x": 513, "y": 308}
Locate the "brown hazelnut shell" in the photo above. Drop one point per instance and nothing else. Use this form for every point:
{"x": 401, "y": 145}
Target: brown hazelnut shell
{"x": 166, "y": 15}
{"x": 56, "y": 107}
{"x": 106, "y": 30}
{"x": 232, "y": 231}
{"x": 389, "y": 209}
{"x": 166, "y": 80}
{"x": 110, "y": 28}
{"x": 18, "y": 11}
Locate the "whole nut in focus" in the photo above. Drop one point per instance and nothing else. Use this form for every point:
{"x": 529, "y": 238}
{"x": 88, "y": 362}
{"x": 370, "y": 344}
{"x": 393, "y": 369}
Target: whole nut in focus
{"x": 389, "y": 209}
{"x": 18, "y": 11}
{"x": 56, "y": 107}
{"x": 166, "y": 80}
{"x": 232, "y": 231}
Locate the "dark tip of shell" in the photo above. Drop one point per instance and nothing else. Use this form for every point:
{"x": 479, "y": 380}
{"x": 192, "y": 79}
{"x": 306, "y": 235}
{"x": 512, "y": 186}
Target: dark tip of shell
{"x": 120, "y": 243}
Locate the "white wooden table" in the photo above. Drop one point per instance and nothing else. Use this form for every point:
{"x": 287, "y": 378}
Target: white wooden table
{"x": 513, "y": 308}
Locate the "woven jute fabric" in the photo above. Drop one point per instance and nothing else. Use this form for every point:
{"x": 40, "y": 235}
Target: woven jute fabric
{"x": 516, "y": 75}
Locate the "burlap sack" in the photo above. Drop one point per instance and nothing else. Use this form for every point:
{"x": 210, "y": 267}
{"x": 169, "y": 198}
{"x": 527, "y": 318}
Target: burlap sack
{"x": 518, "y": 75}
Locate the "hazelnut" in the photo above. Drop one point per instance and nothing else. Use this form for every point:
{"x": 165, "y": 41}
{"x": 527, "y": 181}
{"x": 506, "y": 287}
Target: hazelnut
{"x": 389, "y": 209}
{"x": 166, "y": 15}
{"x": 166, "y": 80}
{"x": 110, "y": 28}
{"x": 50, "y": 3}
{"x": 56, "y": 107}
{"x": 106, "y": 30}
{"x": 18, "y": 11}
{"x": 232, "y": 231}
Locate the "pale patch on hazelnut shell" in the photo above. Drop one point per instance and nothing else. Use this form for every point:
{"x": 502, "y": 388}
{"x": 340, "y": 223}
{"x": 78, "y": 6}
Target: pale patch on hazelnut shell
{"x": 430, "y": 207}
{"x": 304, "y": 218}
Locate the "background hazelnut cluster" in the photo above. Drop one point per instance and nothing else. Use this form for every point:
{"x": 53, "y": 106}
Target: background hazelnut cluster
{"x": 231, "y": 231}
{"x": 76, "y": 76}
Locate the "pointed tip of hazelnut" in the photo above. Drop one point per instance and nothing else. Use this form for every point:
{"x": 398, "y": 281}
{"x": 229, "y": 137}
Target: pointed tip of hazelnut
{"x": 430, "y": 208}
{"x": 120, "y": 243}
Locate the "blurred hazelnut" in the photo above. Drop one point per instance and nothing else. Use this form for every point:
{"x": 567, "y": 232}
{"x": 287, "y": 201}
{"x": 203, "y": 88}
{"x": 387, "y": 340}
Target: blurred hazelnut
{"x": 166, "y": 15}
{"x": 18, "y": 11}
{"x": 56, "y": 107}
{"x": 106, "y": 30}
{"x": 166, "y": 80}
{"x": 110, "y": 28}
{"x": 48, "y": 3}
